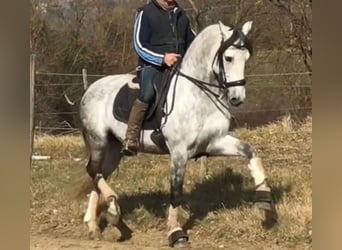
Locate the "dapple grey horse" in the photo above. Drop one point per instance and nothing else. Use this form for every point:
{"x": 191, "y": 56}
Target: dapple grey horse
{"x": 208, "y": 82}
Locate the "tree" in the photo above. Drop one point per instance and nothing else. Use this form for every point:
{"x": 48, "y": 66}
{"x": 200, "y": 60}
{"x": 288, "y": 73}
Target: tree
{"x": 299, "y": 13}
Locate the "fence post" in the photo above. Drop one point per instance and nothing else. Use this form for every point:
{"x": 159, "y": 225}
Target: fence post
{"x": 203, "y": 168}
{"x": 32, "y": 82}
{"x": 291, "y": 24}
{"x": 85, "y": 79}
{"x": 237, "y": 11}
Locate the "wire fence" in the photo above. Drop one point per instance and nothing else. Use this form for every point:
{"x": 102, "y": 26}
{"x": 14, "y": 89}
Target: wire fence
{"x": 70, "y": 89}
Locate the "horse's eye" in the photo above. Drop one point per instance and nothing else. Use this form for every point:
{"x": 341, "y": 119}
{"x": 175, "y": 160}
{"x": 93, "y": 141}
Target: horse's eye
{"x": 228, "y": 58}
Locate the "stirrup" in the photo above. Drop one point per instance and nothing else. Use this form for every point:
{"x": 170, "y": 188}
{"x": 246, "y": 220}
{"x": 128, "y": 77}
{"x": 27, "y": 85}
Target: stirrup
{"x": 129, "y": 151}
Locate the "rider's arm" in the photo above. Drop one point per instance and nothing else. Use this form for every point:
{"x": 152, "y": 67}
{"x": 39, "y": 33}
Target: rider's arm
{"x": 141, "y": 38}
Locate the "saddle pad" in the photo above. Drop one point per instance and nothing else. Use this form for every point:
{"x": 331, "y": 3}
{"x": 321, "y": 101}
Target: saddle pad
{"x": 122, "y": 106}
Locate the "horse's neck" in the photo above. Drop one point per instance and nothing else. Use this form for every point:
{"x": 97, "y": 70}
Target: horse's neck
{"x": 190, "y": 98}
{"x": 197, "y": 64}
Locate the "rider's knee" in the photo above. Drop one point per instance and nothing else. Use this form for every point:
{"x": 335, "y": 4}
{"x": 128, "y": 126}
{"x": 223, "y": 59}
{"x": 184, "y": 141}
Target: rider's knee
{"x": 147, "y": 97}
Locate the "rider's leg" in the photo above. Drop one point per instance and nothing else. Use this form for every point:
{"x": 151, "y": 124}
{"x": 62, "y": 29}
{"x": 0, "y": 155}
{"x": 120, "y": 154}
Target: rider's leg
{"x": 139, "y": 109}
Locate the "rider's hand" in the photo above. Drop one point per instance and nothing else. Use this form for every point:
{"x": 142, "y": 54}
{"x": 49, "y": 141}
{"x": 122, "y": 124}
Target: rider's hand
{"x": 171, "y": 58}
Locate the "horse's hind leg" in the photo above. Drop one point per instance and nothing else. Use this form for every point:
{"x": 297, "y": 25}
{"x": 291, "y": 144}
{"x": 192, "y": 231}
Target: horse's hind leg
{"x": 229, "y": 146}
{"x": 94, "y": 163}
{"x": 104, "y": 159}
{"x": 90, "y": 216}
{"x": 111, "y": 162}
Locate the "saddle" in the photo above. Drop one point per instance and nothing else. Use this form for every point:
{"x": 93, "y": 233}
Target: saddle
{"x": 129, "y": 92}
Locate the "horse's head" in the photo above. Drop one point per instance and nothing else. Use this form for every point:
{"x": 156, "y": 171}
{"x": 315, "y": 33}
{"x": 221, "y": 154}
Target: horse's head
{"x": 229, "y": 62}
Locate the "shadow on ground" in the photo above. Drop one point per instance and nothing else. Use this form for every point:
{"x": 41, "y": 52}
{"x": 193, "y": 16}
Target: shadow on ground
{"x": 227, "y": 190}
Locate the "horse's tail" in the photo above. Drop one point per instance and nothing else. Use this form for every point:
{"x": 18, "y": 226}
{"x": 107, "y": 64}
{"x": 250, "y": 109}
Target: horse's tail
{"x": 86, "y": 184}
{"x": 86, "y": 142}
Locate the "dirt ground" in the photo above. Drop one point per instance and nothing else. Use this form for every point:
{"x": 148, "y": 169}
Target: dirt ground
{"x": 146, "y": 241}
{"x": 51, "y": 242}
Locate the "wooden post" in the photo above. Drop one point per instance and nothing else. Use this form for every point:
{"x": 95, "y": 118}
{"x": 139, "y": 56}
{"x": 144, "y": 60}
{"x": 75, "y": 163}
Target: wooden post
{"x": 32, "y": 82}
{"x": 85, "y": 79}
{"x": 291, "y": 24}
{"x": 237, "y": 12}
{"x": 124, "y": 50}
{"x": 203, "y": 168}
{"x": 40, "y": 127}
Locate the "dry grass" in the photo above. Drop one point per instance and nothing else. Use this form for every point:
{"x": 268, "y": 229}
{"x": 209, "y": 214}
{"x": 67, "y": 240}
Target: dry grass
{"x": 59, "y": 147}
{"x": 217, "y": 197}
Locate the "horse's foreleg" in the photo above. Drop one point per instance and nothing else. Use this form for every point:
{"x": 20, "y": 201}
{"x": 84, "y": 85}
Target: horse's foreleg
{"x": 177, "y": 237}
{"x": 231, "y": 146}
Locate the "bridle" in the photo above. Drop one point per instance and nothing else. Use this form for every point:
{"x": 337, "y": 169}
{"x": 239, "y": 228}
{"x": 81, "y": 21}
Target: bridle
{"x": 220, "y": 77}
{"x": 223, "y": 84}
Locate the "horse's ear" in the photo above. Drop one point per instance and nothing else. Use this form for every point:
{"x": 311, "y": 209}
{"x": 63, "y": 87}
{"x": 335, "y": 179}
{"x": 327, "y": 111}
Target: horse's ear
{"x": 221, "y": 25}
{"x": 247, "y": 27}
{"x": 223, "y": 28}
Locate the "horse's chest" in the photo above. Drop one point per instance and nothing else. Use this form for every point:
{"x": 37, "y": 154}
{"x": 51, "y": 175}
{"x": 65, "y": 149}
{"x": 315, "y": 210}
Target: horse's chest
{"x": 211, "y": 129}
{"x": 216, "y": 125}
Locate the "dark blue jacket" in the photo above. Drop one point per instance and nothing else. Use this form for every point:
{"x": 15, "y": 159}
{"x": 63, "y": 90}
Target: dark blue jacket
{"x": 157, "y": 31}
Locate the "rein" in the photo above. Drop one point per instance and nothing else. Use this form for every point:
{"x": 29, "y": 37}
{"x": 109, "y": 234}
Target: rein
{"x": 203, "y": 86}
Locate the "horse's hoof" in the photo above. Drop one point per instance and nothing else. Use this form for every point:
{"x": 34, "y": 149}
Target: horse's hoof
{"x": 103, "y": 223}
{"x": 271, "y": 218}
{"x": 270, "y": 214}
{"x": 129, "y": 151}
{"x": 95, "y": 235}
{"x": 126, "y": 232}
{"x": 179, "y": 239}
{"x": 263, "y": 201}
{"x": 113, "y": 212}
{"x": 181, "y": 243}
{"x": 269, "y": 223}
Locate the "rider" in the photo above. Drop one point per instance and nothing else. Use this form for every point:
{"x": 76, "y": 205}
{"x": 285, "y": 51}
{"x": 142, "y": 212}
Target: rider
{"x": 161, "y": 36}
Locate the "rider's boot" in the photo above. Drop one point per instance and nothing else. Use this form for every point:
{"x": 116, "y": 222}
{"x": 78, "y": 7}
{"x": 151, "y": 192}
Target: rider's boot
{"x": 136, "y": 118}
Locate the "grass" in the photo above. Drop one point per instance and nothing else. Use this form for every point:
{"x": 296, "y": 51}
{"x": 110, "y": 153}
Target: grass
{"x": 218, "y": 195}
{"x": 59, "y": 147}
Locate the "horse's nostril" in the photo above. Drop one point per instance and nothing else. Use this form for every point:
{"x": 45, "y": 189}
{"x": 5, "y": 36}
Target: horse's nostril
{"x": 235, "y": 101}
